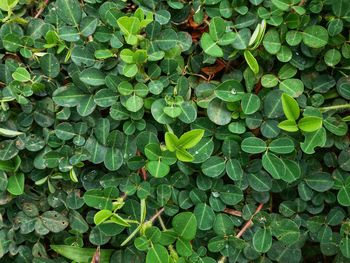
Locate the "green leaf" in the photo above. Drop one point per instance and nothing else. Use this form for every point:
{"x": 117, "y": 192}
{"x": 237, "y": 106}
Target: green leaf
{"x": 282, "y": 145}
{"x": 250, "y": 103}
{"x": 157, "y": 254}
{"x": 205, "y": 216}
{"x": 15, "y": 184}
{"x": 286, "y": 231}
{"x": 217, "y": 28}
{"x": 252, "y": 62}
{"x": 70, "y": 11}
{"x": 184, "y": 247}
{"x": 184, "y": 156}
{"x": 345, "y": 246}
{"x": 7, "y": 5}
{"x": 92, "y": 76}
{"x": 157, "y": 168}
{"x": 103, "y": 53}
{"x": 253, "y": 145}
{"x": 129, "y": 25}
{"x": 319, "y": 181}
{"x": 9, "y": 133}
{"x": 185, "y": 225}
{"x": 313, "y": 140}
{"x": 269, "y": 81}
{"x": 21, "y": 75}
{"x": 272, "y": 42}
{"x": 54, "y": 221}
{"x": 81, "y": 255}
{"x": 210, "y": 46}
{"x": 262, "y": 240}
{"x": 50, "y": 65}
{"x": 134, "y": 103}
{"x": 292, "y": 171}
{"x": 230, "y": 91}
{"x": 310, "y": 123}
{"x": 214, "y": 166}
{"x": 190, "y": 139}
{"x": 101, "y": 199}
{"x": 273, "y": 165}
{"x": 11, "y": 42}
{"x": 293, "y": 87}
{"x": 171, "y": 141}
{"x": 127, "y": 55}
{"x": 290, "y": 107}
{"x": 344, "y": 194}
{"x": 218, "y": 112}
{"x": 288, "y": 125}
{"x": 113, "y": 159}
{"x": 167, "y": 39}
{"x": 8, "y": 150}
{"x": 315, "y": 36}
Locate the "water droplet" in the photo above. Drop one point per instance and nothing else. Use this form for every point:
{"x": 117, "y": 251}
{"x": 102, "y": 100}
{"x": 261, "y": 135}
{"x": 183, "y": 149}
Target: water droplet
{"x": 196, "y": 152}
{"x": 215, "y": 194}
{"x": 233, "y": 91}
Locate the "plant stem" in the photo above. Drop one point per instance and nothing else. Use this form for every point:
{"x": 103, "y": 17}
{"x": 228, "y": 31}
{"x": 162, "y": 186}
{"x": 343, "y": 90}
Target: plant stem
{"x": 335, "y": 107}
{"x": 249, "y": 222}
{"x": 233, "y": 212}
{"x": 154, "y": 217}
{"x": 222, "y": 259}
{"x": 41, "y": 9}
{"x": 161, "y": 222}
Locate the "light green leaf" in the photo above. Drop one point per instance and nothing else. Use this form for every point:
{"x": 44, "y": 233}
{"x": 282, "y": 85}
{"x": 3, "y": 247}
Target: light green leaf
{"x": 21, "y": 75}
{"x": 252, "y": 62}
{"x": 290, "y": 107}
{"x": 190, "y": 139}
{"x": 310, "y": 123}
{"x": 129, "y": 25}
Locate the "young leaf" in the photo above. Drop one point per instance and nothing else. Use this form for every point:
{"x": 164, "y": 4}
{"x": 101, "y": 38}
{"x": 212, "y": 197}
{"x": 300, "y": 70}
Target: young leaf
{"x": 290, "y": 107}
{"x": 102, "y": 216}
{"x": 252, "y": 62}
{"x": 288, "y": 125}
{"x": 310, "y": 123}
{"x": 190, "y": 139}
{"x": 21, "y": 75}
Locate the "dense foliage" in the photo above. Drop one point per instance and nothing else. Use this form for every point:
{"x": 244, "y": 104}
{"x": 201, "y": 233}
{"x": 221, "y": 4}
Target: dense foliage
{"x": 174, "y": 131}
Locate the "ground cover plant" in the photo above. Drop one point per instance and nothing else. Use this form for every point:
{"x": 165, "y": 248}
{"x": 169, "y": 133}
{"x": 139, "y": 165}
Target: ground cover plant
{"x": 171, "y": 131}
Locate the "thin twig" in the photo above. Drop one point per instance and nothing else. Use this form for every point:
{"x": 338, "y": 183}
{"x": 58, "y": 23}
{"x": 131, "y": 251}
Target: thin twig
{"x": 142, "y": 171}
{"x": 222, "y": 259}
{"x": 156, "y": 215}
{"x": 124, "y": 195}
{"x": 249, "y": 222}
{"x": 46, "y": 2}
{"x": 161, "y": 222}
{"x": 302, "y": 2}
{"x": 233, "y": 212}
